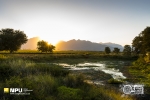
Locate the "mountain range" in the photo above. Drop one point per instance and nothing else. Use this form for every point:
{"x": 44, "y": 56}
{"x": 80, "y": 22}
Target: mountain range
{"x": 73, "y": 45}
{"x": 31, "y": 43}
{"x": 85, "y": 45}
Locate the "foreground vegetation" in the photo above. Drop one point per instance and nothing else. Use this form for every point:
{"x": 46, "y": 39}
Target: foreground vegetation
{"x": 140, "y": 72}
{"x": 49, "y": 82}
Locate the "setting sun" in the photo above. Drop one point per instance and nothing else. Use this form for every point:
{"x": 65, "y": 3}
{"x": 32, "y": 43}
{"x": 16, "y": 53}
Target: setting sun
{"x": 52, "y": 41}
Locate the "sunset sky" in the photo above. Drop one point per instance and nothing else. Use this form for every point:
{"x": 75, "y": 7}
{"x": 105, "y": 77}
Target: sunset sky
{"x": 116, "y": 21}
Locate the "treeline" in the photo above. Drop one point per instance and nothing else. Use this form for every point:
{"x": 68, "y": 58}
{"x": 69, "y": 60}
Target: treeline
{"x": 11, "y": 40}
{"x": 126, "y": 51}
{"x": 140, "y": 44}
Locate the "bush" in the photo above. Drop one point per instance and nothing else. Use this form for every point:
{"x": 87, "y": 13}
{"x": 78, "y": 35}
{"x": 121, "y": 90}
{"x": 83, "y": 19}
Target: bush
{"x": 139, "y": 64}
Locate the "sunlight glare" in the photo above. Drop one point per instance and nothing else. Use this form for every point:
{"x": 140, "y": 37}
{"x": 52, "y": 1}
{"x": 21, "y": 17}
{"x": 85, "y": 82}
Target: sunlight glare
{"x": 52, "y": 41}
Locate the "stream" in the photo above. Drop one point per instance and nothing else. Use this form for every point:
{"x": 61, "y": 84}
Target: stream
{"x": 95, "y": 68}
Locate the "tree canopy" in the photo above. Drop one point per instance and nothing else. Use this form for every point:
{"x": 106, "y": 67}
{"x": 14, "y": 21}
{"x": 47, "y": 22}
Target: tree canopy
{"x": 43, "y": 46}
{"x": 141, "y": 43}
{"x": 11, "y": 40}
{"x": 107, "y": 50}
{"x": 116, "y": 50}
{"x": 127, "y": 50}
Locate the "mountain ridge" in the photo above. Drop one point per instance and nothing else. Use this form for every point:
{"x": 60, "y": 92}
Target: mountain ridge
{"x": 85, "y": 45}
{"x": 73, "y": 44}
{"x": 31, "y": 43}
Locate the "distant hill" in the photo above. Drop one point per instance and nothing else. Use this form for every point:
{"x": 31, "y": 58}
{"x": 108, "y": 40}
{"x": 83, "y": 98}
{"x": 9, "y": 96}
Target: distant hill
{"x": 31, "y": 43}
{"x": 113, "y": 45}
{"x": 84, "y": 45}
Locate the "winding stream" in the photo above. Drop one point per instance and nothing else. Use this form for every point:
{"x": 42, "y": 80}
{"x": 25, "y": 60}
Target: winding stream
{"x": 99, "y": 66}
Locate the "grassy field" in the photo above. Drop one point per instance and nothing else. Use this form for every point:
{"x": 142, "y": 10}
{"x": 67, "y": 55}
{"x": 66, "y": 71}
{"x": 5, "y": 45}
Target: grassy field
{"x": 67, "y": 56}
{"x": 52, "y": 82}
{"x": 55, "y": 52}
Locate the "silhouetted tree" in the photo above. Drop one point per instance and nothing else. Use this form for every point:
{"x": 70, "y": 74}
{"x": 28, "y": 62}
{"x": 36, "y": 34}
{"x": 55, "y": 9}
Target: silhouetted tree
{"x": 51, "y": 48}
{"x": 116, "y": 50}
{"x": 127, "y": 50}
{"x": 43, "y": 46}
{"x": 11, "y": 39}
{"x": 137, "y": 44}
{"x": 107, "y": 50}
{"x": 141, "y": 43}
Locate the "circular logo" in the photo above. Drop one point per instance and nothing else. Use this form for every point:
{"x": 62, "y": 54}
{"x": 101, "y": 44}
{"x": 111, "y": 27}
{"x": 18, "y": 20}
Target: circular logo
{"x": 127, "y": 89}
